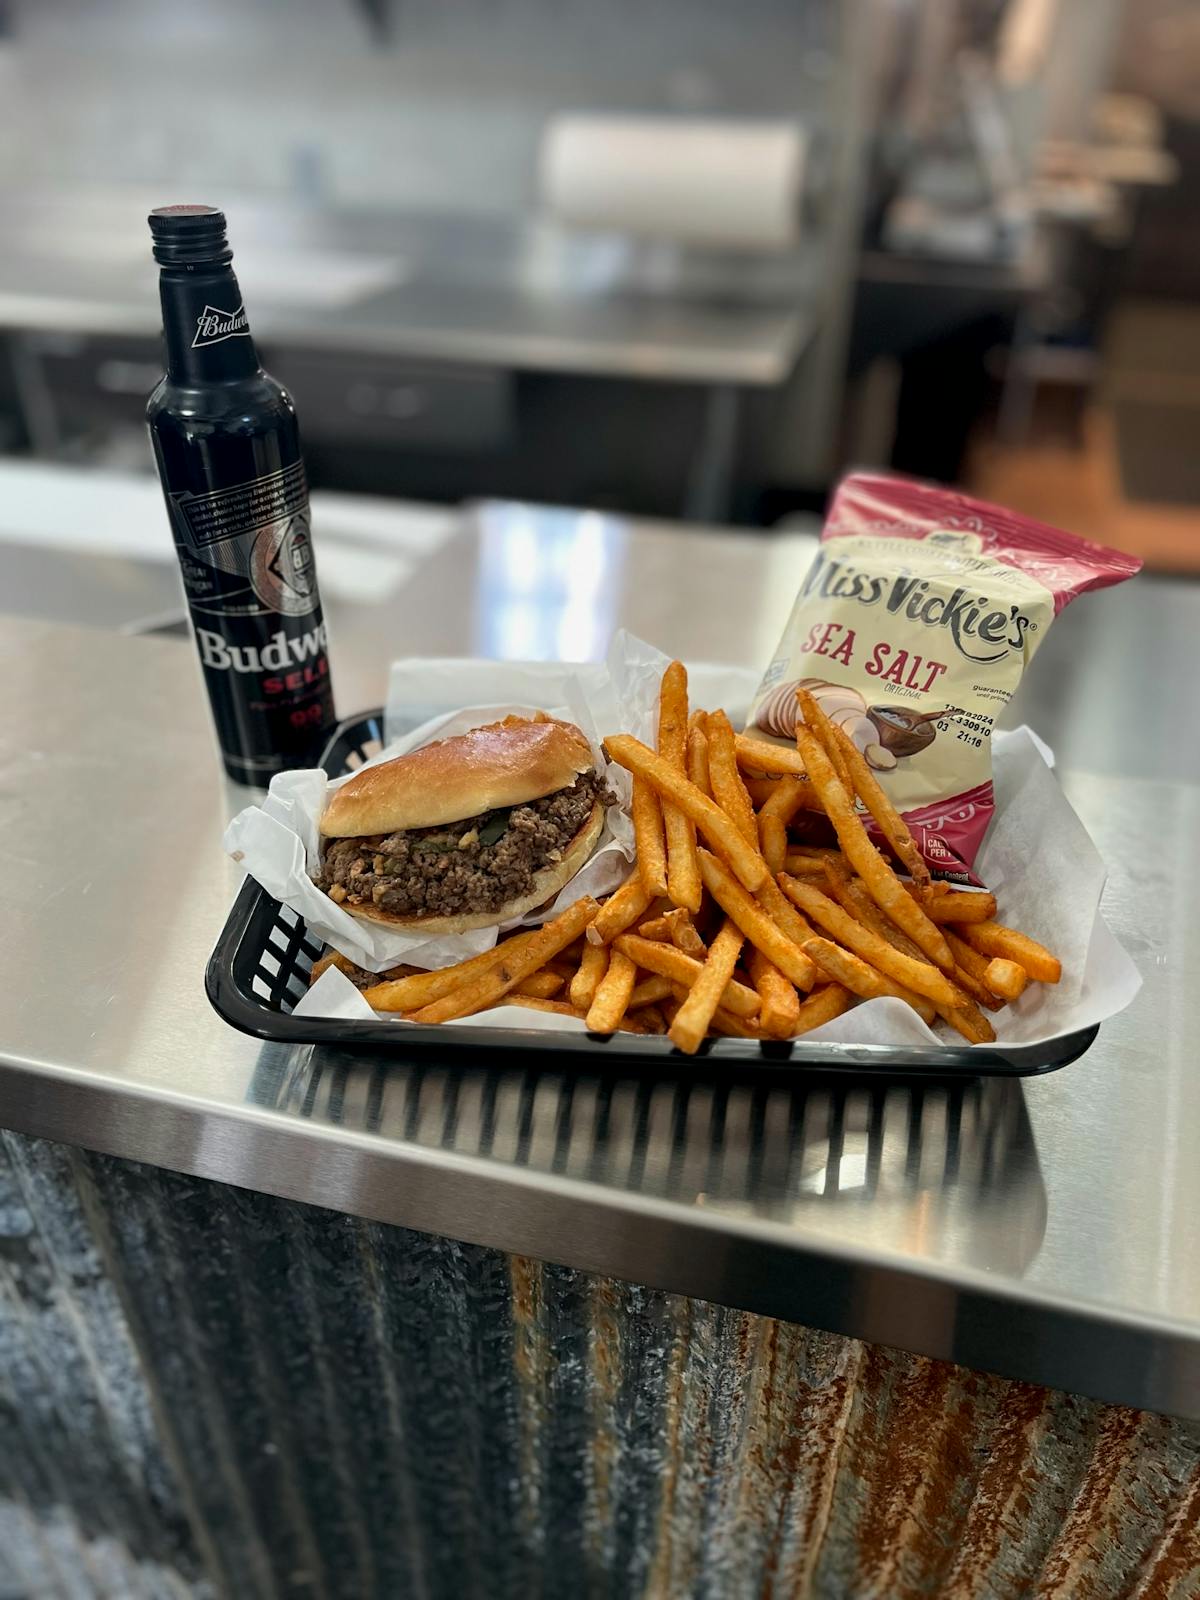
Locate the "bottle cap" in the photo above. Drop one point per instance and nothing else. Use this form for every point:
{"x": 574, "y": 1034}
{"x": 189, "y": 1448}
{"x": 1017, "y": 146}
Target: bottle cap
{"x": 189, "y": 235}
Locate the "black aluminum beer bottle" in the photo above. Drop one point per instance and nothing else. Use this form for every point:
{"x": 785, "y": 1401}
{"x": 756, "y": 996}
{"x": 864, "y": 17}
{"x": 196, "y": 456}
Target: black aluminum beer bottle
{"x": 228, "y": 452}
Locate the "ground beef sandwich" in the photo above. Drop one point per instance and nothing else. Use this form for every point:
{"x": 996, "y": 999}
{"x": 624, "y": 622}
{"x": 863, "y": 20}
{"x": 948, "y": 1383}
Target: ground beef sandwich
{"x": 465, "y": 833}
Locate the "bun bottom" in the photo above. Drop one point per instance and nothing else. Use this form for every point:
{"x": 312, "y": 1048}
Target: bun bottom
{"x": 546, "y": 884}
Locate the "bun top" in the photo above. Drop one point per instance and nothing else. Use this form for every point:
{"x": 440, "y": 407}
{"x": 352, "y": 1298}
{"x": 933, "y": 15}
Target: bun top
{"x": 503, "y": 764}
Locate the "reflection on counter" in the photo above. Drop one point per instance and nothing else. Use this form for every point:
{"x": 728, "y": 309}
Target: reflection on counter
{"x": 548, "y": 583}
{"x": 937, "y": 1170}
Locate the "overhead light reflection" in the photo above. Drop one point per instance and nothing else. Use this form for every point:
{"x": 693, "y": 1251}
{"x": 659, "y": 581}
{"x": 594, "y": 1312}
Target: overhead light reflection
{"x": 582, "y": 627}
{"x": 848, "y": 1174}
{"x": 548, "y": 583}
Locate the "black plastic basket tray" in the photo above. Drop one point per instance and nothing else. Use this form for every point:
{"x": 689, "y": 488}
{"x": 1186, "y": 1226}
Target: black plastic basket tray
{"x": 260, "y": 967}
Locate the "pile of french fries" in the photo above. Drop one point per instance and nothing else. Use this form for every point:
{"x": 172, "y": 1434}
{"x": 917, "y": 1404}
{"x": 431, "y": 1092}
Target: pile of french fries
{"x": 730, "y": 923}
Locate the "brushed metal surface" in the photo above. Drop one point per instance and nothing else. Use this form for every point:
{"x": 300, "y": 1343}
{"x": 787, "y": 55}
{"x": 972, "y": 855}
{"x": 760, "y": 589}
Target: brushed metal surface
{"x": 1048, "y": 1231}
{"x": 466, "y": 290}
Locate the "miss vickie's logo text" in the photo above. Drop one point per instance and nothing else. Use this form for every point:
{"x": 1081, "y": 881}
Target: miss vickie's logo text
{"x": 969, "y": 617}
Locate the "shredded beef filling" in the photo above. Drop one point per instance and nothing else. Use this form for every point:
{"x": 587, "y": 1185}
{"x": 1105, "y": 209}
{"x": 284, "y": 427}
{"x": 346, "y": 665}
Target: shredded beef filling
{"x": 475, "y": 865}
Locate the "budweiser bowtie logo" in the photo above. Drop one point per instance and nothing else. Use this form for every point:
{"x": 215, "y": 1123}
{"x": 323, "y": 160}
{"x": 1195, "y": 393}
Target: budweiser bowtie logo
{"x": 214, "y": 325}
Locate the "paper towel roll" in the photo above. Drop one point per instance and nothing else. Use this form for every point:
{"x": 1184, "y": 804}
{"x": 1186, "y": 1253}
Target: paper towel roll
{"x": 731, "y": 184}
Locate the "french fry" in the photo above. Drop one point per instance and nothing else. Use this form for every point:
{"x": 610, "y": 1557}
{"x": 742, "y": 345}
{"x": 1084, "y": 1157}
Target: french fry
{"x": 654, "y": 928}
{"x": 968, "y": 958}
{"x": 804, "y": 867}
{"x": 612, "y": 994}
{"x": 334, "y": 958}
{"x": 723, "y": 835}
{"x": 543, "y": 985}
{"x": 791, "y": 924}
{"x": 697, "y": 759}
{"x": 331, "y": 958}
{"x": 861, "y": 978}
{"x": 620, "y": 910}
{"x": 724, "y": 1023}
{"x": 969, "y": 971}
{"x": 673, "y": 714}
{"x": 890, "y": 823}
{"x": 753, "y": 921}
{"x": 992, "y": 939}
{"x": 691, "y": 1021}
{"x": 787, "y": 796}
{"x": 593, "y": 964}
{"x": 728, "y": 790}
{"x": 822, "y": 855}
{"x": 531, "y": 1002}
{"x": 919, "y": 976}
{"x": 561, "y": 1008}
{"x": 650, "y": 1018}
{"x": 964, "y": 1016}
{"x": 682, "y": 933}
{"x": 756, "y": 755}
{"x": 772, "y": 839}
{"x": 650, "y": 841}
{"x": 882, "y": 883}
{"x": 979, "y": 992}
{"x": 421, "y": 988}
{"x": 683, "y": 877}
{"x": 480, "y": 991}
{"x": 683, "y": 885}
{"x": 943, "y": 904}
{"x": 961, "y": 905}
{"x": 649, "y": 991}
{"x": 970, "y": 1022}
{"x": 818, "y": 724}
{"x": 823, "y": 1005}
{"x": 760, "y": 790}
{"x": 1006, "y": 978}
{"x": 667, "y": 962}
{"x": 837, "y": 871}
{"x": 852, "y": 894}
{"x": 780, "y": 1002}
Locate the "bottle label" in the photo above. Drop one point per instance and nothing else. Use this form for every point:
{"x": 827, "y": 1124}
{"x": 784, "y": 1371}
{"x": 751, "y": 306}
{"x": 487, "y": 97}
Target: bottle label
{"x": 256, "y": 532}
{"x": 214, "y": 326}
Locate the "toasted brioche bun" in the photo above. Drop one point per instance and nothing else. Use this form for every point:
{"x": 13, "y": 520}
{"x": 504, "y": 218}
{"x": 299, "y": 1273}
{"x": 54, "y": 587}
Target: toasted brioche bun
{"x": 504, "y": 764}
{"x": 546, "y": 885}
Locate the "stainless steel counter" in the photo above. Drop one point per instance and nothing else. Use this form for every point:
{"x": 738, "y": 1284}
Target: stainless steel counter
{"x": 1047, "y": 1230}
{"x": 432, "y": 287}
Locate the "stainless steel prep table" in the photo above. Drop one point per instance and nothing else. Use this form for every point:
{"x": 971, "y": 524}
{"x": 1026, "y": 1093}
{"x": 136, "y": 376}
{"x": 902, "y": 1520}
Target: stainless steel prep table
{"x": 363, "y": 312}
{"x": 436, "y": 286}
{"x": 1046, "y": 1230}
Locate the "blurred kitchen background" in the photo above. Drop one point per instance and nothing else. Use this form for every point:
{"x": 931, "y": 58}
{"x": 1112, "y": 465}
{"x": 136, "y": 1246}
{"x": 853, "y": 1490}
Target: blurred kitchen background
{"x": 684, "y": 260}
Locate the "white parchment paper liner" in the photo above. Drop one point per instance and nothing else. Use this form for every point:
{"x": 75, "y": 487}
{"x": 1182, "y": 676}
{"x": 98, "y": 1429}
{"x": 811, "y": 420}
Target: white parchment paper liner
{"x": 1037, "y": 856}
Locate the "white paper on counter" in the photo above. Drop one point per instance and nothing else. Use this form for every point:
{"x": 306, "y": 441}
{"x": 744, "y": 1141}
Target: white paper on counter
{"x": 1037, "y": 856}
